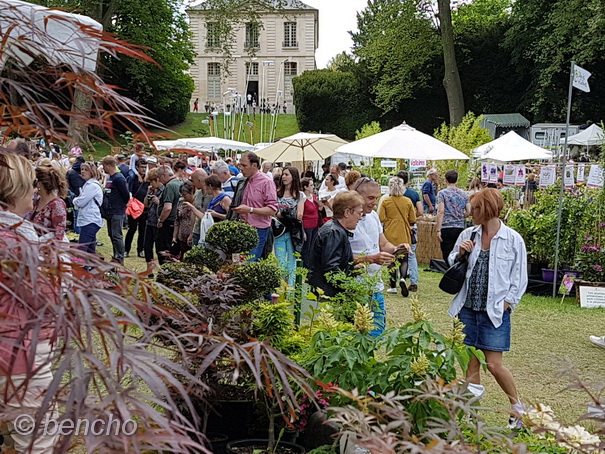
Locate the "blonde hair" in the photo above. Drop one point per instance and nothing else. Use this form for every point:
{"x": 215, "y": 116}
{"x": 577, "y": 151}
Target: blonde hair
{"x": 344, "y": 200}
{"x": 93, "y": 169}
{"x": 16, "y": 178}
{"x": 396, "y": 186}
{"x": 109, "y": 161}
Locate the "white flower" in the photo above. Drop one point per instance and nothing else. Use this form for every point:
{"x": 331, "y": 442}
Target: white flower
{"x": 577, "y": 437}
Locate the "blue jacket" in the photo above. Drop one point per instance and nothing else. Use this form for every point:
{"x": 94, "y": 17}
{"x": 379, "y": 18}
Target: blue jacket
{"x": 116, "y": 191}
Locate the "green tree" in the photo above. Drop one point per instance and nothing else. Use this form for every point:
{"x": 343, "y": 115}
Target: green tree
{"x": 399, "y": 48}
{"x": 161, "y": 27}
{"x": 368, "y": 130}
{"x": 331, "y": 102}
{"x": 545, "y": 35}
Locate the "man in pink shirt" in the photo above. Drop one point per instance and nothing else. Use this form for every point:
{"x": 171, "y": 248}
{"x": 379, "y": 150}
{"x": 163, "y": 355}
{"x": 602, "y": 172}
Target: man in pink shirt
{"x": 259, "y": 201}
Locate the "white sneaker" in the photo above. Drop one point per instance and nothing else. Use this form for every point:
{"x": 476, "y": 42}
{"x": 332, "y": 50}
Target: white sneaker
{"x": 392, "y": 290}
{"x": 598, "y": 340}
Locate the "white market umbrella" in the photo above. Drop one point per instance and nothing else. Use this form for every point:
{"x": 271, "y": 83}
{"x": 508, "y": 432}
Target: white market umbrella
{"x": 66, "y": 38}
{"x": 593, "y": 135}
{"x": 210, "y": 144}
{"x": 511, "y": 147}
{"x": 402, "y": 142}
{"x": 303, "y": 146}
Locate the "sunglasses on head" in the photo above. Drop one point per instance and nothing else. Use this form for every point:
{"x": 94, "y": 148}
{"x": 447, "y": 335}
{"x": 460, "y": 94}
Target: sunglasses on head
{"x": 361, "y": 182}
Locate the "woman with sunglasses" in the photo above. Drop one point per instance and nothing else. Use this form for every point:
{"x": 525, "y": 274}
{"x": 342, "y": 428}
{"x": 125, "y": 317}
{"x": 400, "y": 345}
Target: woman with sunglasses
{"x": 89, "y": 204}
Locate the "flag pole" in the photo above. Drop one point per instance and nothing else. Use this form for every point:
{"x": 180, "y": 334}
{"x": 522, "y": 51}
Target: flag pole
{"x": 562, "y": 191}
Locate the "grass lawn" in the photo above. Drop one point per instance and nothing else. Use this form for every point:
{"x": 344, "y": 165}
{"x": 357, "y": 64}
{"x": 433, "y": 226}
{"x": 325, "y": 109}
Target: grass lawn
{"x": 547, "y": 336}
{"x": 193, "y": 127}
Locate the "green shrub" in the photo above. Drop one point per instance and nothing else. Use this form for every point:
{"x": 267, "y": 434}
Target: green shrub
{"x": 176, "y": 274}
{"x": 203, "y": 256}
{"x": 258, "y": 278}
{"x": 325, "y": 449}
{"x": 232, "y": 237}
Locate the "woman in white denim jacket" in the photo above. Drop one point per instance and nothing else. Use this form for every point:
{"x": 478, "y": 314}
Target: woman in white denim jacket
{"x": 496, "y": 279}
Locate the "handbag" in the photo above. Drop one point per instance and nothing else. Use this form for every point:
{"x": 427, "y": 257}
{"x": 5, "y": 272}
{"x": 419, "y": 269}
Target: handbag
{"x": 277, "y": 228}
{"x": 453, "y": 279}
{"x": 134, "y": 208}
{"x": 206, "y": 224}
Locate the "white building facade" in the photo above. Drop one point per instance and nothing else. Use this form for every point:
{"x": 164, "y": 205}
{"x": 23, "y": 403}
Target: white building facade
{"x": 265, "y": 58}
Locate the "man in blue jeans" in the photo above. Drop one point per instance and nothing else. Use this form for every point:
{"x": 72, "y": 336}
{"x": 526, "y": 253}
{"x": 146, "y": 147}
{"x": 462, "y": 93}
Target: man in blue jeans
{"x": 116, "y": 191}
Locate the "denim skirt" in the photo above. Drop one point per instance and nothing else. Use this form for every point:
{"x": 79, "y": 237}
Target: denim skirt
{"x": 481, "y": 332}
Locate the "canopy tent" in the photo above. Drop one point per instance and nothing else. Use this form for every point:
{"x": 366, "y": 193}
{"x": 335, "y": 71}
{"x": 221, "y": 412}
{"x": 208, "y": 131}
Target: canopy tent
{"x": 210, "y": 144}
{"x": 593, "y": 135}
{"x": 348, "y": 158}
{"x": 402, "y": 142}
{"x": 510, "y": 147}
{"x": 163, "y": 145}
{"x": 302, "y": 147}
{"x": 66, "y": 38}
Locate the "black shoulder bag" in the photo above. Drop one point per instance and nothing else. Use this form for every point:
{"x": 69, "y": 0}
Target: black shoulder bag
{"x": 453, "y": 279}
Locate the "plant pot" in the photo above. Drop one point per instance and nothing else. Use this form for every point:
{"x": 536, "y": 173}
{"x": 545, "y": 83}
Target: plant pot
{"x": 548, "y": 275}
{"x": 249, "y": 446}
{"x": 218, "y": 442}
{"x": 574, "y": 273}
{"x": 535, "y": 268}
{"x": 232, "y": 418}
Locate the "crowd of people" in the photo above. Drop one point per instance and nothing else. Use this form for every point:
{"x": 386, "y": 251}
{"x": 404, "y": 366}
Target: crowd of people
{"x": 337, "y": 223}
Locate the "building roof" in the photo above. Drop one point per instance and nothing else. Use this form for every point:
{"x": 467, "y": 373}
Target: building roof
{"x": 513, "y": 120}
{"x": 279, "y": 4}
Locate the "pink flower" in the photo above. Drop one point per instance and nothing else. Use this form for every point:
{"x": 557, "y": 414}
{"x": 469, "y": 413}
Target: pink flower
{"x": 598, "y": 268}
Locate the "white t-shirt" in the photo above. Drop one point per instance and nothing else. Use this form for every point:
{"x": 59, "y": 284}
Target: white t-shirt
{"x": 366, "y": 241}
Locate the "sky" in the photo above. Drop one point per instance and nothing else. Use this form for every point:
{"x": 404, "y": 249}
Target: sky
{"x": 336, "y": 19}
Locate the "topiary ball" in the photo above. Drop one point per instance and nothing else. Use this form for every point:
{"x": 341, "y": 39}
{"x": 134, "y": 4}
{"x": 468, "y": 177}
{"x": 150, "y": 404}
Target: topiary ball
{"x": 203, "y": 256}
{"x": 232, "y": 237}
{"x": 258, "y": 278}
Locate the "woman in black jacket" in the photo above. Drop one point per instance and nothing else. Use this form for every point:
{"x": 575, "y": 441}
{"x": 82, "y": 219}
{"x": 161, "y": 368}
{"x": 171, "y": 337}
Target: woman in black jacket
{"x": 331, "y": 250}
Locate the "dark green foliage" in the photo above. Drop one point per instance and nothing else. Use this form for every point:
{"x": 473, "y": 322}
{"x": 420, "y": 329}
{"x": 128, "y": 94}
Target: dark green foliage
{"x": 258, "y": 278}
{"x": 543, "y": 39}
{"x": 171, "y": 274}
{"x": 204, "y": 256}
{"x": 332, "y": 102}
{"x": 233, "y": 237}
{"x": 165, "y": 89}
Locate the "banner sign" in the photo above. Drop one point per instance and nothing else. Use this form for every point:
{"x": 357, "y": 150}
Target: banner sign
{"x": 581, "y": 173}
{"x": 493, "y": 173}
{"x": 484, "y": 173}
{"x": 548, "y": 176}
{"x": 510, "y": 175}
{"x": 595, "y": 177}
{"x": 568, "y": 179}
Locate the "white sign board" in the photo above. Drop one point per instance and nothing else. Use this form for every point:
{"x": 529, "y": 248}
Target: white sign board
{"x": 484, "y": 173}
{"x": 509, "y": 175}
{"x": 520, "y": 179}
{"x": 388, "y": 163}
{"x": 384, "y": 190}
{"x": 417, "y": 164}
{"x": 592, "y": 296}
{"x": 568, "y": 180}
{"x": 595, "y": 177}
{"x": 581, "y": 172}
{"x": 548, "y": 176}
{"x": 493, "y": 173}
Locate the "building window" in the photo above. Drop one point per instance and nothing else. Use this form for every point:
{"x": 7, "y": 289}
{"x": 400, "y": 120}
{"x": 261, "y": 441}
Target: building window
{"x": 213, "y": 34}
{"x": 290, "y": 34}
{"x": 214, "y": 81}
{"x": 290, "y": 68}
{"x": 252, "y": 70}
{"x": 252, "y": 35}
